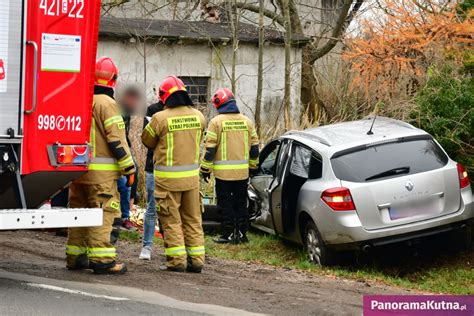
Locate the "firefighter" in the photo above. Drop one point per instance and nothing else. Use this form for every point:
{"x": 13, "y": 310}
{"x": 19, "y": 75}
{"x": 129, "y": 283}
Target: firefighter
{"x": 231, "y": 151}
{"x": 175, "y": 136}
{"x": 90, "y": 247}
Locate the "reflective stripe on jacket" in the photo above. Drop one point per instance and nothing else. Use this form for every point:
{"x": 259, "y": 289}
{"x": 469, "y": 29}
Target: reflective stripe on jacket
{"x": 111, "y": 155}
{"x": 231, "y": 147}
{"x": 175, "y": 136}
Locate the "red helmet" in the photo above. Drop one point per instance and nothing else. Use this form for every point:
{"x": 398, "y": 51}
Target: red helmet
{"x": 222, "y": 96}
{"x": 169, "y": 86}
{"x": 106, "y": 72}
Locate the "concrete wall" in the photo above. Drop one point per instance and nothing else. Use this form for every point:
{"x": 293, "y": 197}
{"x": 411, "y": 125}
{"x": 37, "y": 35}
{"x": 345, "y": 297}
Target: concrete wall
{"x": 210, "y": 61}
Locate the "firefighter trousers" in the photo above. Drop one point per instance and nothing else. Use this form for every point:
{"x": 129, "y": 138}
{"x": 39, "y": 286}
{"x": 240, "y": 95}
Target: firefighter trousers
{"x": 180, "y": 217}
{"x": 232, "y": 200}
{"x": 94, "y": 242}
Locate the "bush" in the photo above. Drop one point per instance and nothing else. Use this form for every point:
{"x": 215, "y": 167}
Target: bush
{"x": 445, "y": 109}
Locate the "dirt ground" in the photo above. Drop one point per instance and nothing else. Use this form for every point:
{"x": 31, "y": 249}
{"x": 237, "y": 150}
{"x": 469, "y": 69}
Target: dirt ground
{"x": 251, "y": 287}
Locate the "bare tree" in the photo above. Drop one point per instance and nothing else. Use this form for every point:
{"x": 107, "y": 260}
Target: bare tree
{"x": 261, "y": 43}
{"x": 286, "y": 97}
{"x": 320, "y": 45}
{"x": 234, "y": 29}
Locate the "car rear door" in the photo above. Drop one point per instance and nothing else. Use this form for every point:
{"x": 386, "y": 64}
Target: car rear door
{"x": 399, "y": 182}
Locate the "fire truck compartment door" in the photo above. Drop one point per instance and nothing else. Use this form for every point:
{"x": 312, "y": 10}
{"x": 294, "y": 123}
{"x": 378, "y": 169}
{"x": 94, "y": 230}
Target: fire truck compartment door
{"x": 11, "y": 39}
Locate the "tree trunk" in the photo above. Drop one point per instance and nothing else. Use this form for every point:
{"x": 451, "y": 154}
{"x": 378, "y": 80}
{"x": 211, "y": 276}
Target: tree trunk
{"x": 286, "y": 98}
{"x": 308, "y": 83}
{"x": 235, "y": 42}
{"x": 144, "y": 60}
{"x": 261, "y": 42}
{"x": 313, "y": 105}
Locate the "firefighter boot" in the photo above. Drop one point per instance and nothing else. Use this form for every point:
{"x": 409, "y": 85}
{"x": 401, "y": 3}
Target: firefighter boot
{"x": 115, "y": 268}
{"x": 227, "y": 232}
{"x": 192, "y": 268}
{"x": 80, "y": 262}
{"x": 243, "y": 228}
{"x": 173, "y": 269}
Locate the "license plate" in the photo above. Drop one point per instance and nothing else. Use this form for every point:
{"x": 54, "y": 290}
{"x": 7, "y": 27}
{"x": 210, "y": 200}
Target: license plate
{"x": 419, "y": 208}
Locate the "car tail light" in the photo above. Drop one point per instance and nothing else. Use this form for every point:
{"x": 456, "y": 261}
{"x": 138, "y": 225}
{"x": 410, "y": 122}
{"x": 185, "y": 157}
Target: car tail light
{"x": 72, "y": 154}
{"x": 338, "y": 199}
{"x": 463, "y": 176}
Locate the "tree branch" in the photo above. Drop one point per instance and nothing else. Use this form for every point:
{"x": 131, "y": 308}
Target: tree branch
{"x": 266, "y": 12}
{"x": 344, "y": 19}
{"x": 354, "y": 11}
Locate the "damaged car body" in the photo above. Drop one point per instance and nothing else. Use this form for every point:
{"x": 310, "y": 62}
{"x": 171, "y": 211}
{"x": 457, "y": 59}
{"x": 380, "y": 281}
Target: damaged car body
{"x": 356, "y": 185}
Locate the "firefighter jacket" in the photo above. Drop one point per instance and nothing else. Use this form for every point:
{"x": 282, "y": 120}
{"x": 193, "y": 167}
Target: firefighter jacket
{"x": 175, "y": 136}
{"x": 111, "y": 155}
{"x": 231, "y": 147}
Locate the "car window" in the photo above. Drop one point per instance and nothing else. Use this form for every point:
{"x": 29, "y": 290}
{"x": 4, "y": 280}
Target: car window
{"x": 267, "y": 165}
{"x": 315, "y": 166}
{"x": 300, "y": 162}
{"x": 389, "y": 160}
{"x": 306, "y": 163}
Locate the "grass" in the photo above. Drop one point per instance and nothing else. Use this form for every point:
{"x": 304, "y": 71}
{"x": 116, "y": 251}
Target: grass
{"x": 435, "y": 267}
{"x": 130, "y": 236}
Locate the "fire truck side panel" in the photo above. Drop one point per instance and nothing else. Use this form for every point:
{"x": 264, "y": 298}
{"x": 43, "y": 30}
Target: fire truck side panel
{"x": 49, "y": 67}
{"x": 65, "y": 33}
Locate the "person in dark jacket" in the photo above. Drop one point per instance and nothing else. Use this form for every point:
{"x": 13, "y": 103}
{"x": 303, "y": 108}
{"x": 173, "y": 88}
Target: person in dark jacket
{"x": 150, "y": 215}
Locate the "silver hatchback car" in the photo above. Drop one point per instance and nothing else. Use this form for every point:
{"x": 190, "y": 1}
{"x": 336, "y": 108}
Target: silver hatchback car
{"x": 349, "y": 187}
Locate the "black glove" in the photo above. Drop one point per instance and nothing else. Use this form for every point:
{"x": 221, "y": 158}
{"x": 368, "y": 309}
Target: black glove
{"x": 205, "y": 176}
{"x": 253, "y": 172}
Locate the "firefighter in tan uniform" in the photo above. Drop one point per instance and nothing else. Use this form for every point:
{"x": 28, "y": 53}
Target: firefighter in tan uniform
{"x": 232, "y": 153}
{"x": 89, "y": 247}
{"x": 175, "y": 136}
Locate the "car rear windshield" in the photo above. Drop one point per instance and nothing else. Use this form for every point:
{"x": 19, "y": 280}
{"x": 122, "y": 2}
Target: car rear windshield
{"x": 388, "y": 160}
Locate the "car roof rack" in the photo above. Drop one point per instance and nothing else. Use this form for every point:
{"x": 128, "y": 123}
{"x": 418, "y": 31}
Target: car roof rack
{"x": 309, "y": 136}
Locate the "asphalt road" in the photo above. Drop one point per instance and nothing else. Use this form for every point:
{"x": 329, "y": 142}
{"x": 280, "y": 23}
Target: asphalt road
{"x": 27, "y": 295}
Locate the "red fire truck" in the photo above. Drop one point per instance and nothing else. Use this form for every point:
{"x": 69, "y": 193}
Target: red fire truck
{"x": 47, "y": 60}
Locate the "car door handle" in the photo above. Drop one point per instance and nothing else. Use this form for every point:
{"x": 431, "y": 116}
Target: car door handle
{"x": 382, "y": 206}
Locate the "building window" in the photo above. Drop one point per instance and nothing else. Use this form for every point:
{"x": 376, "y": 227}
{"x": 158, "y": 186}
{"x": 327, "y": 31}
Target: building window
{"x": 197, "y": 89}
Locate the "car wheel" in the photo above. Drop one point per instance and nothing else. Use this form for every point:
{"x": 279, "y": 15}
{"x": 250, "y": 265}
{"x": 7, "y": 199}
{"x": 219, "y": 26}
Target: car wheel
{"x": 317, "y": 251}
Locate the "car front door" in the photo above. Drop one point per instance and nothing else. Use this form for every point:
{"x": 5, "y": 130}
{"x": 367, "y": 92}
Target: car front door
{"x": 267, "y": 183}
{"x": 276, "y": 187}
{"x": 261, "y": 183}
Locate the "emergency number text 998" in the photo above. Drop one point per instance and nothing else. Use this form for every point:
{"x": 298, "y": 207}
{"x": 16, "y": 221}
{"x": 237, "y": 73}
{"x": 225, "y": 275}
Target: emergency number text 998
{"x": 60, "y": 123}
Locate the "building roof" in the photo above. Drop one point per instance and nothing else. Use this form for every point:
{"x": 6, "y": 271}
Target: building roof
{"x": 190, "y": 30}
